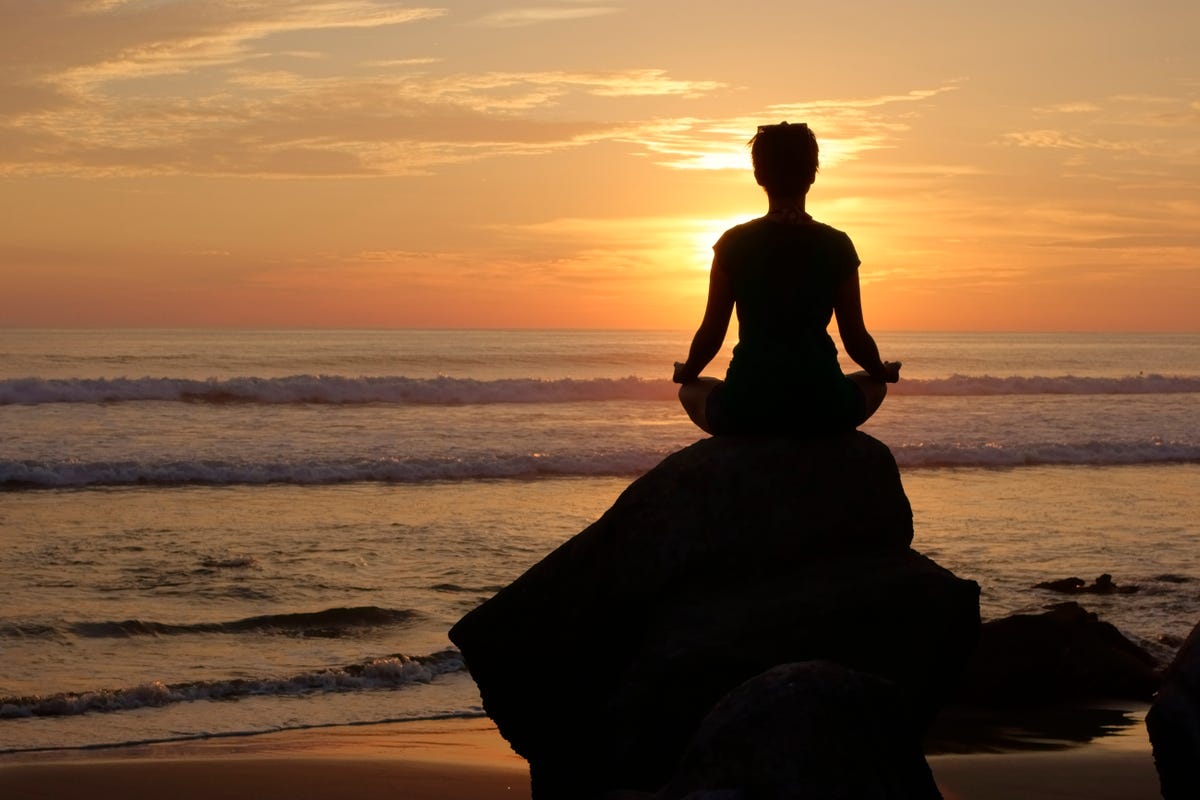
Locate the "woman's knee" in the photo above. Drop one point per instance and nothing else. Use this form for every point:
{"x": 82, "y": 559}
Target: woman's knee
{"x": 873, "y": 392}
{"x": 693, "y": 396}
{"x": 697, "y": 390}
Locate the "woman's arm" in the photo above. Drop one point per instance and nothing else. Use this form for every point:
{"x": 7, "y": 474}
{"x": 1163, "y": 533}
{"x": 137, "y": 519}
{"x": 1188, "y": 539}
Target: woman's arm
{"x": 859, "y": 344}
{"x": 711, "y": 333}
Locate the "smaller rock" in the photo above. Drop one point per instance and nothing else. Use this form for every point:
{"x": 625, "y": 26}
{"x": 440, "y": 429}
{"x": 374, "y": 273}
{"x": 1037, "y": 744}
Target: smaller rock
{"x": 805, "y": 730}
{"x": 1071, "y": 584}
{"x": 1173, "y": 723}
{"x": 1066, "y": 653}
{"x": 1102, "y": 585}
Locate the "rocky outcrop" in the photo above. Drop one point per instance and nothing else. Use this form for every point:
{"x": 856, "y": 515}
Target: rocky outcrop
{"x": 1173, "y": 723}
{"x": 1102, "y": 585}
{"x": 731, "y": 557}
{"x": 813, "y": 729}
{"x": 1065, "y": 653}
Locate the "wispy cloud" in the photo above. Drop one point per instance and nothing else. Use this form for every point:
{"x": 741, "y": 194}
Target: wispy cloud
{"x": 1136, "y": 123}
{"x": 280, "y": 123}
{"x": 212, "y": 34}
{"x": 96, "y": 42}
{"x": 247, "y": 110}
{"x": 845, "y": 127}
{"x": 402, "y": 62}
{"x": 537, "y": 15}
{"x": 522, "y": 91}
{"x": 1078, "y": 107}
{"x": 202, "y": 88}
{"x": 1065, "y": 140}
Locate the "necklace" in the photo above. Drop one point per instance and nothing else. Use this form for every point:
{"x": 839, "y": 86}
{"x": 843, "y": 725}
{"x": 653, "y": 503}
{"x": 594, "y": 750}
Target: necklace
{"x": 791, "y": 216}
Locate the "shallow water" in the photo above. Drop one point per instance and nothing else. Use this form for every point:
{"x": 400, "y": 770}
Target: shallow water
{"x": 295, "y": 554}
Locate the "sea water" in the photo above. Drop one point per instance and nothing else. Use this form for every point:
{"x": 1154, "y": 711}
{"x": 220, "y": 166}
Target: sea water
{"x": 220, "y": 532}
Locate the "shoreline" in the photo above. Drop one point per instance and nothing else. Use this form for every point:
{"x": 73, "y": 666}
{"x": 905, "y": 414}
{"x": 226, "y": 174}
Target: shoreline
{"x": 466, "y": 759}
{"x": 455, "y": 759}
{"x": 1065, "y": 753}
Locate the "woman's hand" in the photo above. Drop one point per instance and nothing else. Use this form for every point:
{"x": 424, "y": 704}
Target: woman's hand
{"x": 888, "y": 373}
{"x": 682, "y": 374}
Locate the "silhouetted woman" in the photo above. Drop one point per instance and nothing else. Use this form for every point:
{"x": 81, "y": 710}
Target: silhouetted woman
{"x": 786, "y": 275}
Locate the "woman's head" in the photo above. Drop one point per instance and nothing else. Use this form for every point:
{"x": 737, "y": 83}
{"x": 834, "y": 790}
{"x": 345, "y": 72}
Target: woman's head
{"x": 785, "y": 158}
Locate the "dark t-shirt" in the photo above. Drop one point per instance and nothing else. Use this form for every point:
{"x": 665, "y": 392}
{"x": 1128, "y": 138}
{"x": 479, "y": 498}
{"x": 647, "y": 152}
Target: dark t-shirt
{"x": 785, "y": 372}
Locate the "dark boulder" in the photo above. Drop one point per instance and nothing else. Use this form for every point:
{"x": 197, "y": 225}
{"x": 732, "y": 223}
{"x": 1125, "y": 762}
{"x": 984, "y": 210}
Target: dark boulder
{"x": 798, "y": 731}
{"x": 1102, "y": 585}
{"x": 732, "y": 556}
{"x": 1173, "y": 723}
{"x": 899, "y": 616}
{"x": 1065, "y": 653}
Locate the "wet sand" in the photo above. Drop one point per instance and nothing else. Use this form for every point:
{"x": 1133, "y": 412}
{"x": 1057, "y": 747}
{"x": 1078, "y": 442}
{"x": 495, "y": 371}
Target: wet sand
{"x": 467, "y": 760}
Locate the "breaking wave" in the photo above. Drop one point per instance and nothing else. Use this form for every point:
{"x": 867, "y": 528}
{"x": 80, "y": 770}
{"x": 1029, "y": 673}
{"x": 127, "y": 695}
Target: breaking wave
{"x": 386, "y": 672}
{"x": 330, "y": 623}
{"x": 17, "y": 475}
{"x": 343, "y": 390}
{"x": 331, "y": 390}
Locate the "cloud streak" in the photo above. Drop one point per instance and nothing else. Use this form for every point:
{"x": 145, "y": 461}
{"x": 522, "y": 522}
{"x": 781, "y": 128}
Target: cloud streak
{"x": 108, "y": 109}
{"x": 135, "y": 88}
{"x": 539, "y": 15}
{"x": 846, "y": 128}
{"x": 94, "y": 43}
{"x": 281, "y": 123}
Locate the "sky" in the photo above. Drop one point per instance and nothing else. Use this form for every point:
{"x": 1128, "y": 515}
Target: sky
{"x": 1027, "y": 165}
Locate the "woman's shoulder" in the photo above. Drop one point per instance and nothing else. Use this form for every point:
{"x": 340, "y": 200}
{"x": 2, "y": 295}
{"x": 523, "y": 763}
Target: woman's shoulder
{"x": 828, "y": 231}
{"x": 743, "y": 228}
{"x": 765, "y": 227}
{"x": 749, "y": 231}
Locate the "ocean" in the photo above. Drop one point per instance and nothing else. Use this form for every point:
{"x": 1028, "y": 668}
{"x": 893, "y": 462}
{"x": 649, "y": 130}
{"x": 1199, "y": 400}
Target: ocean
{"x": 229, "y": 532}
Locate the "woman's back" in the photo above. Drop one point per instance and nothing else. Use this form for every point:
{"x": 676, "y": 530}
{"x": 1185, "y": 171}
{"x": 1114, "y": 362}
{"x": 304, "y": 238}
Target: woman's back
{"x": 784, "y": 278}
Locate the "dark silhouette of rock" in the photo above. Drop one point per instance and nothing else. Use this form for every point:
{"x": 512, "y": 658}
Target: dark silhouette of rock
{"x": 1173, "y": 723}
{"x": 806, "y": 730}
{"x": 1102, "y": 585}
{"x": 1065, "y": 653}
{"x": 1071, "y": 584}
{"x": 732, "y": 556}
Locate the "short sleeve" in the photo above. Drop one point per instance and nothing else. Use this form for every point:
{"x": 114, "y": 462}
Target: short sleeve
{"x": 849, "y": 257}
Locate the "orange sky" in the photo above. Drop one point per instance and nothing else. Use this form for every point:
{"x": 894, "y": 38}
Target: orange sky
{"x": 1000, "y": 166}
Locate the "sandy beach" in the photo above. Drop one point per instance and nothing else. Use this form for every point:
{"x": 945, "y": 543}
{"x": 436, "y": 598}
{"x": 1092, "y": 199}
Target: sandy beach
{"x": 448, "y": 759}
{"x": 468, "y": 760}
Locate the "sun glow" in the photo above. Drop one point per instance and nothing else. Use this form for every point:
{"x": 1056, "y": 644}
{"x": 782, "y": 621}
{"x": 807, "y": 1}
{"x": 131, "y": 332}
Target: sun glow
{"x": 704, "y": 233}
{"x": 355, "y": 163}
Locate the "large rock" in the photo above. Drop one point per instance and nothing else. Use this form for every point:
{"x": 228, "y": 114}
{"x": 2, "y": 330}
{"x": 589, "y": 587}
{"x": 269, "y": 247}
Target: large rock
{"x": 1173, "y": 723}
{"x": 1062, "y": 654}
{"x": 732, "y": 556}
{"x": 807, "y": 730}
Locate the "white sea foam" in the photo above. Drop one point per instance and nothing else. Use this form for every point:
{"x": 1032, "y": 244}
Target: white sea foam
{"x": 1094, "y": 453}
{"x": 387, "y": 672}
{"x": 985, "y": 385}
{"x": 343, "y": 390}
{"x": 64, "y": 474}
{"x": 912, "y": 455}
{"x": 332, "y": 389}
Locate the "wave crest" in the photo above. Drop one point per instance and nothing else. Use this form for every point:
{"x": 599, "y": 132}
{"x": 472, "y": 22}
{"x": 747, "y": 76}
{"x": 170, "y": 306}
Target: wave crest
{"x": 330, "y": 623}
{"x": 331, "y": 390}
{"x": 386, "y": 672}
{"x": 70, "y": 473}
{"x": 399, "y": 390}
{"x": 18, "y": 475}
{"x": 987, "y": 385}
